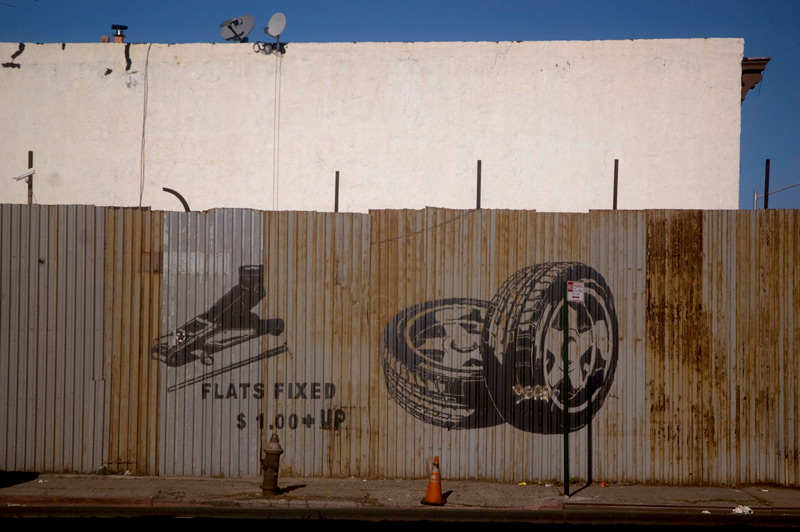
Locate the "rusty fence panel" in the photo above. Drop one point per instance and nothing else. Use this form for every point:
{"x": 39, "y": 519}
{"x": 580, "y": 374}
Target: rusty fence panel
{"x": 317, "y": 384}
{"x": 131, "y": 308}
{"x": 469, "y": 303}
{"x": 722, "y": 343}
{"x": 178, "y": 343}
{"x": 698, "y": 387}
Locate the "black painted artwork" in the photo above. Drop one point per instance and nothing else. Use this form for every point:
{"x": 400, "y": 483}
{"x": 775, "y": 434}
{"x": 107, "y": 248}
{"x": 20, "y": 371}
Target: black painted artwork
{"x": 464, "y": 363}
{"x": 229, "y": 322}
{"x": 432, "y": 363}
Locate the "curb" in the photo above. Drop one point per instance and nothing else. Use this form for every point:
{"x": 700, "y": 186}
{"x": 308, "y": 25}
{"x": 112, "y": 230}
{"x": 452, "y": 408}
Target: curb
{"x": 551, "y": 512}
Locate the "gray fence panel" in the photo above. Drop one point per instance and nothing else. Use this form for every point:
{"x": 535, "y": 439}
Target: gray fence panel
{"x": 210, "y": 353}
{"x": 49, "y": 315}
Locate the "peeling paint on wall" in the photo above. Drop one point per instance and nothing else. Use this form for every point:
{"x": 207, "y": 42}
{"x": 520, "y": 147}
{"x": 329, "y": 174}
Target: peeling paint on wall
{"x": 19, "y": 52}
{"x": 11, "y": 64}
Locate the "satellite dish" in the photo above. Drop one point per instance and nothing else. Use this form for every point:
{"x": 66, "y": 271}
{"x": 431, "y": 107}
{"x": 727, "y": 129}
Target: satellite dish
{"x": 237, "y": 29}
{"x": 276, "y": 25}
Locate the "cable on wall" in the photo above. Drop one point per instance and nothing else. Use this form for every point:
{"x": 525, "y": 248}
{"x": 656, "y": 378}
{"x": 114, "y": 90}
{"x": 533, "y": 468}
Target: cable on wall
{"x": 144, "y": 124}
{"x": 276, "y": 131}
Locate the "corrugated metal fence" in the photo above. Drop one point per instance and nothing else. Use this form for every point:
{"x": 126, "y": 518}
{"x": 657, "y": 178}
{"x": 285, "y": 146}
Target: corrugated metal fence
{"x": 177, "y": 343}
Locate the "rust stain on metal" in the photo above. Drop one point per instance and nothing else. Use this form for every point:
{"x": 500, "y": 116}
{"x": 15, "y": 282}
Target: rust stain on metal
{"x": 132, "y": 317}
{"x": 707, "y": 304}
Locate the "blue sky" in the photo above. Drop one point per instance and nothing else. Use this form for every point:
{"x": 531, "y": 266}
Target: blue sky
{"x": 770, "y": 114}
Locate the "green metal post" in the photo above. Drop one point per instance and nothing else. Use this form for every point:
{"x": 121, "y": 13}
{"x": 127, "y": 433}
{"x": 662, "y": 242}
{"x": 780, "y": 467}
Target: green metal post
{"x": 565, "y": 391}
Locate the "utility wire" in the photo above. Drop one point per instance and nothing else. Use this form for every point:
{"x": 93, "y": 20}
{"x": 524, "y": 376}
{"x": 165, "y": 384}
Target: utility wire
{"x": 144, "y": 123}
{"x": 749, "y": 129}
{"x": 276, "y": 131}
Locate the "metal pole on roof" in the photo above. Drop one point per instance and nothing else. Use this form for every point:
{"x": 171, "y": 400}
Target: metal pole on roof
{"x": 30, "y": 178}
{"x": 478, "y": 205}
{"x": 179, "y": 196}
{"x": 565, "y": 386}
{"x": 336, "y": 194}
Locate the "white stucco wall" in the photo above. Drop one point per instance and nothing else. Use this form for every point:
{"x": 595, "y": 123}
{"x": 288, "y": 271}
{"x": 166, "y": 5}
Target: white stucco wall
{"x": 403, "y": 123}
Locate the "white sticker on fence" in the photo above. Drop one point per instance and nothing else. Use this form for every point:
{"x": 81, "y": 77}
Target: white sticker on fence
{"x": 575, "y": 291}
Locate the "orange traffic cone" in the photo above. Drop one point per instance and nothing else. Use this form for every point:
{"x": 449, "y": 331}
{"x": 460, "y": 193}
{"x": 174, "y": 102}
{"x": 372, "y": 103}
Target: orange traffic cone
{"x": 433, "y": 496}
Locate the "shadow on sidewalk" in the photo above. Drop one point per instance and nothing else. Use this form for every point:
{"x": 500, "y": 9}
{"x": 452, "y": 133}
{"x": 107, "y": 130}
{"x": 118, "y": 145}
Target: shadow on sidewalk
{"x": 12, "y": 478}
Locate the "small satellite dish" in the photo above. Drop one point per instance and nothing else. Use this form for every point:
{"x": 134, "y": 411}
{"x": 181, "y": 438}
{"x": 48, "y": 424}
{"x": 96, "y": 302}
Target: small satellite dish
{"x": 276, "y": 25}
{"x": 237, "y": 29}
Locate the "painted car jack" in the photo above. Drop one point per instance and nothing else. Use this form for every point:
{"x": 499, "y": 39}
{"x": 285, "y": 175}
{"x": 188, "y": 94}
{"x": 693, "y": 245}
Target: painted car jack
{"x": 227, "y": 323}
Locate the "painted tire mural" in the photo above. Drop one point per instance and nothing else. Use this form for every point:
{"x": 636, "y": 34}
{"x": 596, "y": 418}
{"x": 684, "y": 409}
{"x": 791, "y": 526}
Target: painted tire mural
{"x": 432, "y": 363}
{"x": 522, "y": 339}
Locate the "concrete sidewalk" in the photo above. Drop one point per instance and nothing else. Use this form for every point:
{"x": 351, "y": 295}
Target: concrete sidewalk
{"x": 60, "y": 495}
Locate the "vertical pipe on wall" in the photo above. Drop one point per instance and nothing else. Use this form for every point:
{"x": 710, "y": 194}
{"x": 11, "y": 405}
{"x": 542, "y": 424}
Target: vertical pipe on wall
{"x": 766, "y": 186}
{"x": 616, "y": 180}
